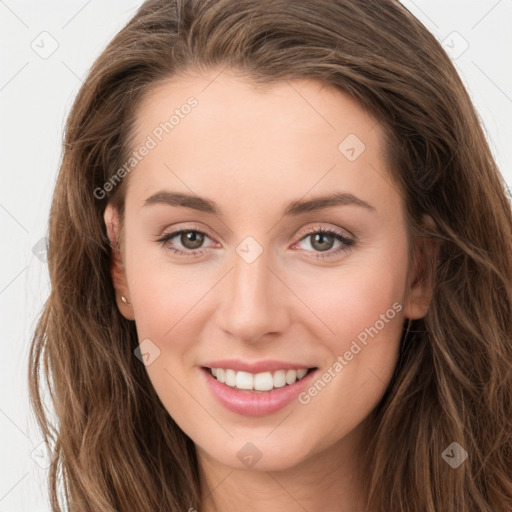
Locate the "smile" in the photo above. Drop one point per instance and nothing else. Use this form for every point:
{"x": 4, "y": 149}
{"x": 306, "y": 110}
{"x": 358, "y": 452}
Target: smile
{"x": 265, "y": 390}
{"x": 265, "y": 381}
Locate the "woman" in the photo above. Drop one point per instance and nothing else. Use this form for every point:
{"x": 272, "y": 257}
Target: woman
{"x": 281, "y": 262}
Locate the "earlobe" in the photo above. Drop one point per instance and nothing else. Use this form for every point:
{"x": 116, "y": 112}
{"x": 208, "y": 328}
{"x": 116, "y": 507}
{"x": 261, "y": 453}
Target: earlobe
{"x": 422, "y": 279}
{"x": 117, "y": 269}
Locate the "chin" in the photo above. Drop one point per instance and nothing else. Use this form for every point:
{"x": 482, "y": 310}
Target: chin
{"x": 267, "y": 453}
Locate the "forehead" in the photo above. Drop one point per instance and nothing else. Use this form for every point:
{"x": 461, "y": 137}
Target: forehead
{"x": 289, "y": 138}
{"x": 229, "y": 104}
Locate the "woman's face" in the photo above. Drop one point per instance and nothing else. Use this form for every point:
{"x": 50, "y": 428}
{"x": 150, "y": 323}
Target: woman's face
{"x": 263, "y": 292}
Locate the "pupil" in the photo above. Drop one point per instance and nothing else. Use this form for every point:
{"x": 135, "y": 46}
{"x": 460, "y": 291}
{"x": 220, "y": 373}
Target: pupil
{"x": 191, "y": 239}
{"x": 319, "y": 237}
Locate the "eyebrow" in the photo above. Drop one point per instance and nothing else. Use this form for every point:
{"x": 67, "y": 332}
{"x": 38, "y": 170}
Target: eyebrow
{"x": 294, "y": 208}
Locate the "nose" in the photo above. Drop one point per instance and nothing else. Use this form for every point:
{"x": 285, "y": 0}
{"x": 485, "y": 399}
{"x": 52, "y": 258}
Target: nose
{"x": 253, "y": 301}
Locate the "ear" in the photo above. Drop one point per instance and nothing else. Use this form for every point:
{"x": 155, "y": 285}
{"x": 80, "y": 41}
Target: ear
{"x": 117, "y": 269}
{"x": 421, "y": 279}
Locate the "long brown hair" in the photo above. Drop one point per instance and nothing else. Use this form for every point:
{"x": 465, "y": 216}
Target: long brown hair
{"x": 115, "y": 446}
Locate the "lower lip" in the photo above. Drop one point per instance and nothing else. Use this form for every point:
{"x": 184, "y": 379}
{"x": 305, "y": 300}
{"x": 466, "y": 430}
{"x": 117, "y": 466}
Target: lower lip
{"x": 255, "y": 404}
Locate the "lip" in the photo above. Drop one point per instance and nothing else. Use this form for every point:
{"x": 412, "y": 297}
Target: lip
{"x": 270, "y": 365}
{"x": 249, "y": 403}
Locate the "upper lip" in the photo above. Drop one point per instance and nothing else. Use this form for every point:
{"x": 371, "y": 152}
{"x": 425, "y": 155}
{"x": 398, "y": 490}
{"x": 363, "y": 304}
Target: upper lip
{"x": 268, "y": 365}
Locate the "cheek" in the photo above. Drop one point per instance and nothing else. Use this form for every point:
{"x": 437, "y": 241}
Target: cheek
{"x": 363, "y": 305}
{"x": 352, "y": 298}
{"x": 165, "y": 300}
{"x": 367, "y": 303}
{"x": 163, "y": 293}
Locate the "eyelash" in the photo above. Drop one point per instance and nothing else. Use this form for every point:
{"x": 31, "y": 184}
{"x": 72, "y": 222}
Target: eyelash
{"x": 347, "y": 242}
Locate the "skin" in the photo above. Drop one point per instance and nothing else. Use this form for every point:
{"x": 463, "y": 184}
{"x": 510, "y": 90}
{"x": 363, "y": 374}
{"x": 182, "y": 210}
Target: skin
{"x": 253, "y": 151}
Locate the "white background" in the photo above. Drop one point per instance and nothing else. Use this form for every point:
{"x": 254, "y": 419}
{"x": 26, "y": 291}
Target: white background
{"x": 35, "y": 96}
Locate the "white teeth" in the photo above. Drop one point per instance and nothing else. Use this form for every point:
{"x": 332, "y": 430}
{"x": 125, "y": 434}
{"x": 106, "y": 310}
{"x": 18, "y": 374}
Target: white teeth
{"x": 230, "y": 378}
{"x": 291, "y": 376}
{"x": 279, "y": 379}
{"x": 264, "y": 381}
{"x": 244, "y": 380}
{"x": 301, "y": 373}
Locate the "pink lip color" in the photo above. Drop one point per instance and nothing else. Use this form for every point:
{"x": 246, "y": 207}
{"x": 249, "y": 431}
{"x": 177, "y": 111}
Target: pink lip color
{"x": 255, "y": 404}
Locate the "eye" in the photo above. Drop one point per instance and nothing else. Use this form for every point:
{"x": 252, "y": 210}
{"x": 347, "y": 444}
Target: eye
{"x": 322, "y": 240}
{"x": 191, "y": 239}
